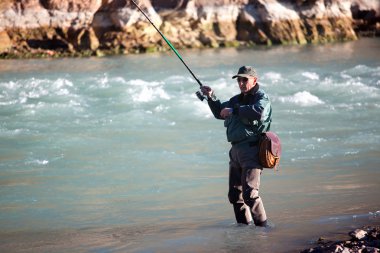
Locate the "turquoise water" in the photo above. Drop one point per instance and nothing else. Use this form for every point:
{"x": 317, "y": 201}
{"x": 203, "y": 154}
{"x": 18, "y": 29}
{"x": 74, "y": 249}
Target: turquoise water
{"x": 117, "y": 154}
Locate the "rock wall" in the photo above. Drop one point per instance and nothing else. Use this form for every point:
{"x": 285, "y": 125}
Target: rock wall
{"x": 31, "y": 28}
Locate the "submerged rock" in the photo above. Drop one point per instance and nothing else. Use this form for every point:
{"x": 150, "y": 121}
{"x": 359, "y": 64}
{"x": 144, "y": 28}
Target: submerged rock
{"x": 76, "y": 27}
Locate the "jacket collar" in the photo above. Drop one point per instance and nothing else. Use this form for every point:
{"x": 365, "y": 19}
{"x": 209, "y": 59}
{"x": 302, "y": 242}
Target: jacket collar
{"x": 243, "y": 98}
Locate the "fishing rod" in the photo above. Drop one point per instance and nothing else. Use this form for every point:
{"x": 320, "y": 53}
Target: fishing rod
{"x": 198, "y": 93}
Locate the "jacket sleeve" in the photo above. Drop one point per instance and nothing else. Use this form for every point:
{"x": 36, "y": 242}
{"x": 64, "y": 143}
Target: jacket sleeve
{"x": 257, "y": 110}
{"x": 216, "y": 106}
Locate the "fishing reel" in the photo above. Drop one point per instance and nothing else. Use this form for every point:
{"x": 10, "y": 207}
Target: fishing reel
{"x": 200, "y": 96}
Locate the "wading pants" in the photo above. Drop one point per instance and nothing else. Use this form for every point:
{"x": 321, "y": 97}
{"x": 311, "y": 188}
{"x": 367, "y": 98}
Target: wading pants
{"x": 244, "y": 183}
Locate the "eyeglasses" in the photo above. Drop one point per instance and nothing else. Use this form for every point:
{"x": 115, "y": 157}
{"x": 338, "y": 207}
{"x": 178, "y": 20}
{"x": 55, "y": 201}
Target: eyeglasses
{"x": 242, "y": 79}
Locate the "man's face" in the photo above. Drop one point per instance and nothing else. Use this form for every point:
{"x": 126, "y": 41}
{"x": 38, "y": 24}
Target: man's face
{"x": 246, "y": 84}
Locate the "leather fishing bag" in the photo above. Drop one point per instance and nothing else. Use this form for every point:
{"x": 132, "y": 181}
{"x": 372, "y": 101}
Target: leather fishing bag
{"x": 269, "y": 150}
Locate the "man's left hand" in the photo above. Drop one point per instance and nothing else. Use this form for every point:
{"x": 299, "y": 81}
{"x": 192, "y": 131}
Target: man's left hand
{"x": 226, "y": 112}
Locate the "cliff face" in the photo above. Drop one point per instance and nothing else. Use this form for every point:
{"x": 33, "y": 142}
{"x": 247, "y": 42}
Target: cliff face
{"x": 90, "y": 27}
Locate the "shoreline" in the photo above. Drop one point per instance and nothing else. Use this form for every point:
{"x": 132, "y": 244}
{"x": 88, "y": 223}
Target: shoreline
{"x": 51, "y": 54}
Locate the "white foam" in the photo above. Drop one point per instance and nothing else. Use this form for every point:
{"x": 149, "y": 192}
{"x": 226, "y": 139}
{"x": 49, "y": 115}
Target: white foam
{"x": 147, "y": 94}
{"x": 348, "y": 153}
{"x": 176, "y": 79}
{"x": 9, "y": 85}
{"x": 359, "y": 70}
{"x": 21, "y": 91}
{"x": 74, "y": 103}
{"x": 161, "y": 108}
{"x": 103, "y": 82}
{"x": 42, "y": 162}
{"x": 38, "y": 162}
{"x": 139, "y": 82}
{"x": 61, "y": 87}
{"x": 345, "y": 75}
{"x": 311, "y": 75}
{"x": 351, "y": 86}
{"x": 223, "y": 87}
{"x": 118, "y": 79}
{"x": 11, "y": 102}
{"x": 303, "y": 98}
{"x": 273, "y": 76}
{"x": 201, "y": 109}
{"x": 61, "y": 83}
{"x": 13, "y": 132}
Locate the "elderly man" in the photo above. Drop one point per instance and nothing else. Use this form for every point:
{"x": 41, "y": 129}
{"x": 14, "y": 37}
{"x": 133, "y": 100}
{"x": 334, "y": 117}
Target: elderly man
{"x": 245, "y": 116}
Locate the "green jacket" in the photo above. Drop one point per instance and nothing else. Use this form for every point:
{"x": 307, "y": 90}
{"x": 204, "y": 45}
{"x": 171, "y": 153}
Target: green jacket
{"x": 252, "y": 115}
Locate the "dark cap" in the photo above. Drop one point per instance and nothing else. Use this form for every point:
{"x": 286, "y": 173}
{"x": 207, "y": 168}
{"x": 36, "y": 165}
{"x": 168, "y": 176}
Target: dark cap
{"x": 246, "y": 71}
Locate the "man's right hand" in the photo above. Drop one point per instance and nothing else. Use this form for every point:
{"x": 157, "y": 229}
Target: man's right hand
{"x": 207, "y": 91}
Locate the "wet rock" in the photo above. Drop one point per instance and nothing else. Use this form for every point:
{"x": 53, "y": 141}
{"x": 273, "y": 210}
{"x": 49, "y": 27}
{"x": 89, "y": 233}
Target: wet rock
{"x": 363, "y": 240}
{"x": 358, "y": 234}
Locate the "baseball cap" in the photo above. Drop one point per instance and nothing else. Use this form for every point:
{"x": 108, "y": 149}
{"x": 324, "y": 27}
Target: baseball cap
{"x": 246, "y": 71}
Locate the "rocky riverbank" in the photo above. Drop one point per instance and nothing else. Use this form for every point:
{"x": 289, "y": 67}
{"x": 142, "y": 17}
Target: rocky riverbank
{"x": 53, "y": 28}
{"x": 364, "y": 240}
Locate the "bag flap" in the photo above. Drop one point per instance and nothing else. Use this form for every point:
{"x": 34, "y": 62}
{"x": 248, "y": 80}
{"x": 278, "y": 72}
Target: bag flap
{"x": 275, "y": 143}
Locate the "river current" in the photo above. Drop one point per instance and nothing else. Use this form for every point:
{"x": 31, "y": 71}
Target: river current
{"x": 116, "y": 154}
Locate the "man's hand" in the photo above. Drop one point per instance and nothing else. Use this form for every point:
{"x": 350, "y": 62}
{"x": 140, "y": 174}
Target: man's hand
{"x": 226, "y": 112}
{"x": 207, "y": 91}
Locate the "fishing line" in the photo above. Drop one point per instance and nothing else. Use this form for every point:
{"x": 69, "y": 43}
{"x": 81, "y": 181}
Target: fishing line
{"x": 198, "y": 93}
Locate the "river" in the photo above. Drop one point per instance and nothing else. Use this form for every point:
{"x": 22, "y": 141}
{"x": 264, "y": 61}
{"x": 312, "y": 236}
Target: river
{"x": 116, "y": 154}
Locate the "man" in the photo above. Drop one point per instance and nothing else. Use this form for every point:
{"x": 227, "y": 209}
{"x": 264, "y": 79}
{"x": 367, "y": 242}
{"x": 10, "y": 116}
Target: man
{"x": 246, "y": 116}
